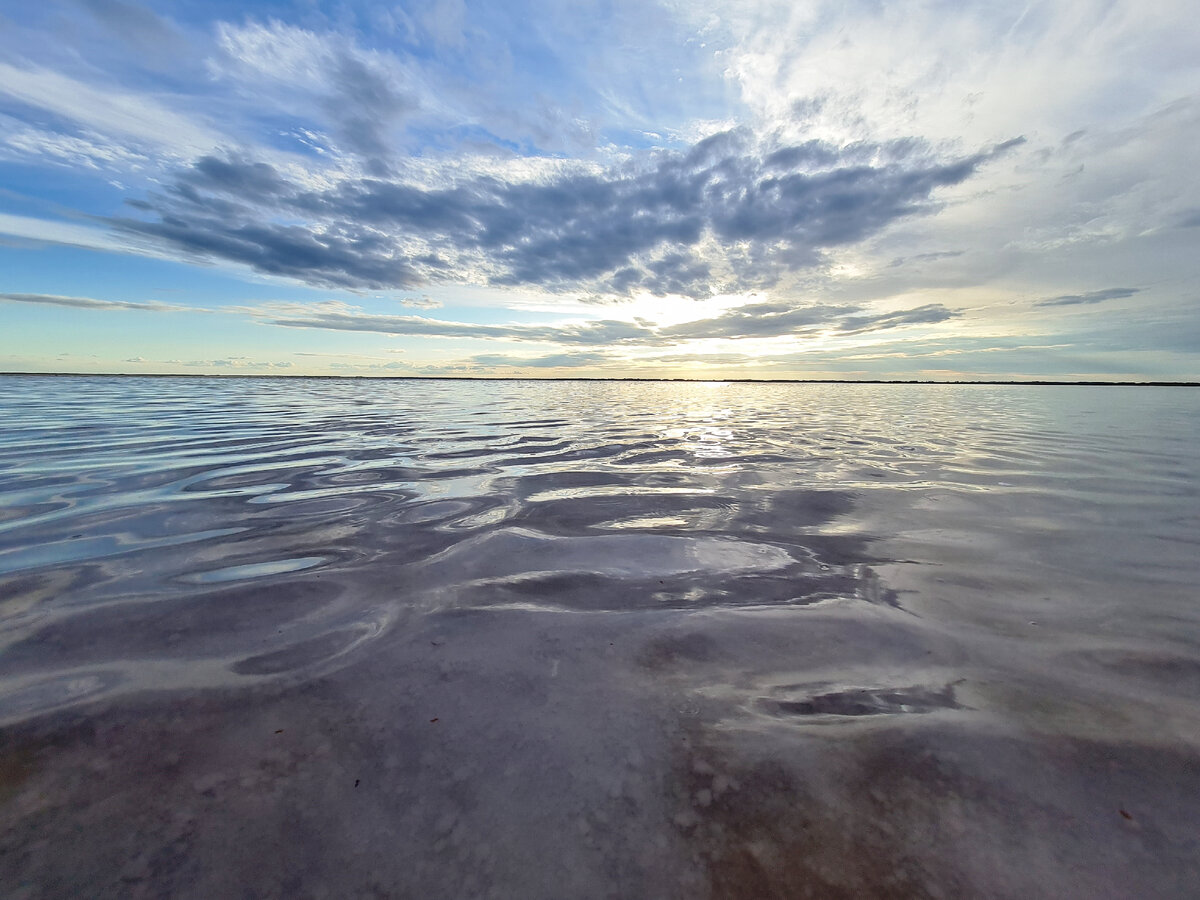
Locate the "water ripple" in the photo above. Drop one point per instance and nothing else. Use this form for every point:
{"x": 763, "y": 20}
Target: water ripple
{"x": 314, "y": 505}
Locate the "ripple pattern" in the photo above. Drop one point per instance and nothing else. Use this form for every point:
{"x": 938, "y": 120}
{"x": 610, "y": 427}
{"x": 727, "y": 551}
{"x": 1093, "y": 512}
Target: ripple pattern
{"x": 125, "y": 500}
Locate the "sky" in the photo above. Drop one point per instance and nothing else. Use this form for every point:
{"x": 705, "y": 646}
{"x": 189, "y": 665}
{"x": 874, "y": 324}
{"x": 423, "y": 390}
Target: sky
{"x": 702, "y": 189}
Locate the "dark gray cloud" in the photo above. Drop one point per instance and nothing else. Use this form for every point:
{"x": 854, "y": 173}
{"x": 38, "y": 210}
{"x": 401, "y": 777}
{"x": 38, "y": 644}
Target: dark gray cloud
{"x": 924, "y": 257}
{"x": 728, "y": 214}
{"x": 233, "y": 176}
{"x": 929, "y": 314}
{"x": 349, "y": 257}
{"x": 366, "y": 104}
{"x": 91, "y": 303}
{"x": 1089, "y": 297}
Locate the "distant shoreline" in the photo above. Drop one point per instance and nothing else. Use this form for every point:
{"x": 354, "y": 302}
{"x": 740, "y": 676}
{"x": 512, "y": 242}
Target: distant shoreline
{"x": 1037, "y": 382}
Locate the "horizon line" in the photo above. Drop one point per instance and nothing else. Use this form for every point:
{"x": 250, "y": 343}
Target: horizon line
{"x": 1041, "y": 382}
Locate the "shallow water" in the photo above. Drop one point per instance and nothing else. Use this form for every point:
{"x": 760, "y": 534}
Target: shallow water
{"x": 305, "y": 638}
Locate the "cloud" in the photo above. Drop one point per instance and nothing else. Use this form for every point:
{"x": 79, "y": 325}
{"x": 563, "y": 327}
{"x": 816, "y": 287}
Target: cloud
{"x": 376, "y": 104}
{"x": 377, "y": 367}
{"x": 361, "y": 92}
{"x": 233, "y": 176}
{"x": 594, "y": 332}
{"x": 1089, "y": 297}
{"x": 91, "y": 303}
{"x": 929, "y": 314}
{"x": 924, "y": 257}
{"x": 232, "y": 362}
{"x": 107, "y": 110}
{"x": 348, "y": 257}
{"x": 715, "y": 359}
{"x": 731, "y": 213}
{"x": 48, "y": 231}
{"x": 760, "y": 320}
{"x": 422, "y": 302}
{"x": 87, "y": 150}
{"x": 550, "y": 361}
{"x": 755, "y": 320}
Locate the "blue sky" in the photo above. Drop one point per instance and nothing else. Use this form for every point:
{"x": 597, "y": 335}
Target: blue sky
{"x": 700, "y": 189}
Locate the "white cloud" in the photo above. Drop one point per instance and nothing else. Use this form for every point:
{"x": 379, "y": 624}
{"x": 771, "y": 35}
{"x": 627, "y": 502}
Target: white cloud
{"x": 421, "y": 302}
{"x": 108, "y": 110}
{"x": 85, "y": 150}
{"x": 972, "y": 72}
{"x": 363, "y": 95}
{"x": 50, "y": 231}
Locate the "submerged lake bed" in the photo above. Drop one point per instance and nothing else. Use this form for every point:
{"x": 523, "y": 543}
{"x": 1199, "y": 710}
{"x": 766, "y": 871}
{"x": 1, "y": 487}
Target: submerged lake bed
{"x": 333, "y": 638}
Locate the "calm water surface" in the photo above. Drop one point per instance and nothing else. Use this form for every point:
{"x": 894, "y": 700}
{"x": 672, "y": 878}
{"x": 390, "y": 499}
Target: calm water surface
{"x": 316, "y": 638}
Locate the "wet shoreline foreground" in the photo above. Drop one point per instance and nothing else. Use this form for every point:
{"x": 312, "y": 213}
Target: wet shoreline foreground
{"x": 598, "y": 664}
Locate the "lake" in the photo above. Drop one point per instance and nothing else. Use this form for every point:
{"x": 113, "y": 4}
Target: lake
{"x": 520, "y": 639}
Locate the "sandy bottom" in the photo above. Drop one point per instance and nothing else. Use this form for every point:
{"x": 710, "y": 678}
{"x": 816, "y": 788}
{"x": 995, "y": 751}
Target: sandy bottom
{"x": 510, "y": 753}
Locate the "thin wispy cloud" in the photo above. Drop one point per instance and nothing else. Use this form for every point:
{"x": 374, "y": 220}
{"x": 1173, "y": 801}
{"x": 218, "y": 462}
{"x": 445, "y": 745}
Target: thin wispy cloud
{"x": 924, "y": 258}
{"x": 754, "y": 320}
{"x": 108, "y": 110}
{"x": 549, "y": 361}
{"x": 93, "y": 303}
{"x": 422, "y": 302}
{"x": 1088, "y": 298}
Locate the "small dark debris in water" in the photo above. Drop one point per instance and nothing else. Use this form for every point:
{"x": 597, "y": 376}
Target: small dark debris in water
{"x": 864, "y": 702}
{"x": 279, "y": 731}
{"x": 1125, "y": 815}
{"x": 437, "y": 643}
{"x": 431, "y": 721}
{"x": 356, "y": 782}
